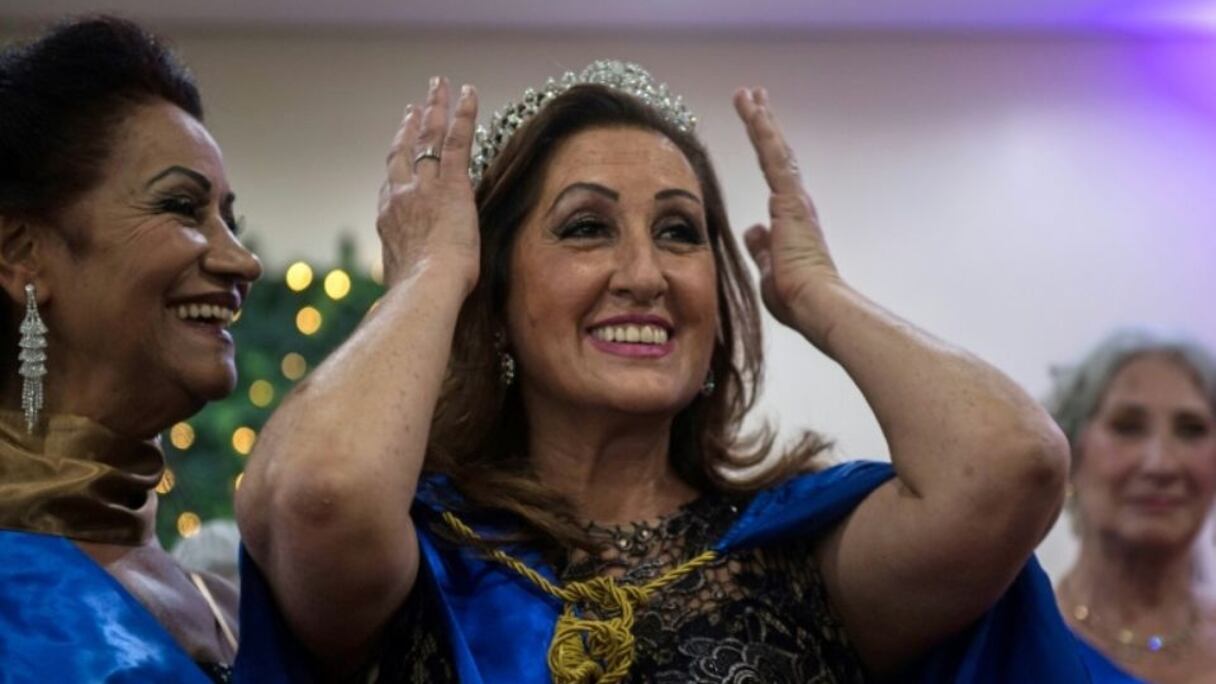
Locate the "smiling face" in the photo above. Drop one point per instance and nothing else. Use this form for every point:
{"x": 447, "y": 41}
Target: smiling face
{"x": 1146, "y": 472}
{"x": 613, "y": 297}
{"x": 138, "y": 307}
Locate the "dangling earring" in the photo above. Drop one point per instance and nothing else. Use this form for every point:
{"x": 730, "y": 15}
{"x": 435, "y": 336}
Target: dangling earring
{"x": 33, "y": 359}
{"x": 506, "y": 362}
{"x": 707, "y": 388}
{"x": 506, "y": 368}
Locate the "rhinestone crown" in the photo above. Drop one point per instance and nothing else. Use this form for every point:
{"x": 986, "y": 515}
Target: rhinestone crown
{"x": 624, "y": 77}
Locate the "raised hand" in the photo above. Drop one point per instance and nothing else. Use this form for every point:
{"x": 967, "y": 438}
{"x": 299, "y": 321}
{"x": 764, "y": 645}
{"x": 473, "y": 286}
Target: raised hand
{"x": 790, "y": 252}
{"x": 426, "y": 212}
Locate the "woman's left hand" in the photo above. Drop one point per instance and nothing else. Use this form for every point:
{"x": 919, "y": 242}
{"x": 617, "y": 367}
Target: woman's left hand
{"x": 790, "y": 252}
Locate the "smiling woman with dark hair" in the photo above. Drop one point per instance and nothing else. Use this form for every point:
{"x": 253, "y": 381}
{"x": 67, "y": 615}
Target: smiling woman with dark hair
{"x": 120, "y": 271}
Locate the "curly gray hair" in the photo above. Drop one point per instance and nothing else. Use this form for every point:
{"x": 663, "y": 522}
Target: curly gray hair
{"x": 1079, "y": 389}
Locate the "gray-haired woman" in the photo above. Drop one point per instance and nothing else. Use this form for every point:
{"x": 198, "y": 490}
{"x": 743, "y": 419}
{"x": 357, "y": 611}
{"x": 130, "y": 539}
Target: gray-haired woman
{"x": 1140, "y": 412}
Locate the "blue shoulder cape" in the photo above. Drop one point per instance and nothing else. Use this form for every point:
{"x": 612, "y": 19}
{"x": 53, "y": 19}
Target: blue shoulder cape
{"x": 63, "y": 618}
{"x": 500, "y": 625}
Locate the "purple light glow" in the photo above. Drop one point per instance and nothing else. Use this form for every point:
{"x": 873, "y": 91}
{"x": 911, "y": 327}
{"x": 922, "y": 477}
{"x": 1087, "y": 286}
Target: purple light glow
{"x": 1181, "y": 69}
{"x": 1159, "y": 16}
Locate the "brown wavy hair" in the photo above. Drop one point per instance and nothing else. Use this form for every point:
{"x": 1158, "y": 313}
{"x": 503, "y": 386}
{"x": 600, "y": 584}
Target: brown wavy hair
{"x": 479, "y": 432}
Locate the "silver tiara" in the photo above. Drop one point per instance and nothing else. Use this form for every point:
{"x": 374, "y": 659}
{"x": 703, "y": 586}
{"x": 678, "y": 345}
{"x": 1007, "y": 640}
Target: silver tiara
{"x": 625, "y": 77}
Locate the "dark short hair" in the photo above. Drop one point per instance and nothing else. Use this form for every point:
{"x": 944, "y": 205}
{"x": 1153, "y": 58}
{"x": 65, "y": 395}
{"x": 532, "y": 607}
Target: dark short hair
{"x": 63, "y": 97}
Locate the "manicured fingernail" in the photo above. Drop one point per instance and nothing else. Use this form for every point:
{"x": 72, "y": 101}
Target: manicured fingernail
{"x": 466, "y": 90}
{"x": 434, "y": 82}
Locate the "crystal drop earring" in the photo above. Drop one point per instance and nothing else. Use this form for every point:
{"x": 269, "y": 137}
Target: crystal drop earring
{"x": 32, "y": 358}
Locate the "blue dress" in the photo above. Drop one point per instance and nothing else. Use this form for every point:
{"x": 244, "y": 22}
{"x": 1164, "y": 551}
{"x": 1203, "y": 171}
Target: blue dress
{"x": 498, "y": 625}
{"x": 64, "y": 618}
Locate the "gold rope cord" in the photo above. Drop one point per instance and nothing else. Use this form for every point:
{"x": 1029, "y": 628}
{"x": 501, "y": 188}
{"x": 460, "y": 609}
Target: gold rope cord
{"x": 585, "y": 650}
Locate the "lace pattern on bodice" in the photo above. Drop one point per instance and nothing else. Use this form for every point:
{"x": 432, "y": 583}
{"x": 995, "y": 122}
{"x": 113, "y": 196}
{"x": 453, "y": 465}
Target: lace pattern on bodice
{"x": 758, "y": 615}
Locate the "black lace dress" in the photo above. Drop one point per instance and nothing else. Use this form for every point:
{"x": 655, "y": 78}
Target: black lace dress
{"x": 756, "y": 616}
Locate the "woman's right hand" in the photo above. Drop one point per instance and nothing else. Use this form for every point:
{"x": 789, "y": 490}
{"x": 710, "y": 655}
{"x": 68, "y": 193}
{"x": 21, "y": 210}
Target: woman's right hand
{"x": 427, "y": 214}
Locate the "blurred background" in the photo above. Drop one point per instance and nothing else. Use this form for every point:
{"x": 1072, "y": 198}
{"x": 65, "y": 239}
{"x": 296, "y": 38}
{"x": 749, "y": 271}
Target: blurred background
{"x": 1015, "y": 176}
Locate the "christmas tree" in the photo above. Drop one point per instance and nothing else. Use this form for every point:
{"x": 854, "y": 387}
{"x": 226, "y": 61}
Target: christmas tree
{"x": 291, "y": 321}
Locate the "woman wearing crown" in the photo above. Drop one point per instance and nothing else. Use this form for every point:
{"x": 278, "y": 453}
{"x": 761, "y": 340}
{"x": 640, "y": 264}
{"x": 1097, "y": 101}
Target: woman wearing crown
{"x": 526, "y": 465}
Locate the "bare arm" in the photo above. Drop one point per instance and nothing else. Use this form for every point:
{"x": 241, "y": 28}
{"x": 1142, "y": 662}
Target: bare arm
{"x": 980, "y": 468}
{"x": 324, "y": 506}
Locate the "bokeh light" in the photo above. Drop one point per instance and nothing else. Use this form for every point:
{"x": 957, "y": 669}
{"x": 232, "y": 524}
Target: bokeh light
{"x": 261, "y": 393}
{"x": 181, "y": 436}
{"x": 167, "y": 480}
{"x": 293, "y": 366}
{"x": 308, "y": 320}
{"x": 243, "y": 439}
{"x": 188, "y": 524}
{"x": 337, "y": 284}
{"x": 299, "y": 276}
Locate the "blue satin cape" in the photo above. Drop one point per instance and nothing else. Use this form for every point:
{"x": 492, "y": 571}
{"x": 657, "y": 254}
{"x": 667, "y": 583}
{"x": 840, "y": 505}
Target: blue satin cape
{"x": 500, "y": 625}
{"x": 63, "y": 618}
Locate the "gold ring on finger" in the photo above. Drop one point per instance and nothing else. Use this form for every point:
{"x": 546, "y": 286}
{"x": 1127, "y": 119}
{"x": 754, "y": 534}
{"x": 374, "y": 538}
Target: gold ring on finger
{"x": 428, "y": 153}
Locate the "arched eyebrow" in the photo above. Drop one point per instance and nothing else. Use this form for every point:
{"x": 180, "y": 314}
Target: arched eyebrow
{"x": 616, "y": 196}
{"x": 676, "y": 192}
{"x": 181, "y": 170}
{"x": 591, "y": 187}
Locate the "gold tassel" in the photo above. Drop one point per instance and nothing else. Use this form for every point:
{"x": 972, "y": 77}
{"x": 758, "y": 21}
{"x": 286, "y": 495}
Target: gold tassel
{"x": 588, "y": 650}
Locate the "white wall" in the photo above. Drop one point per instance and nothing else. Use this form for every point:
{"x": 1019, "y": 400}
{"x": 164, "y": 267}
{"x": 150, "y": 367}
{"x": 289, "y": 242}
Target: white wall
{"x": 1015, "y": 196}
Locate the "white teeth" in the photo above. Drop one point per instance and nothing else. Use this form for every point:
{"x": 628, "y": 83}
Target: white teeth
{"x": 205, "y": 312}
{"x": 631, "y": 334}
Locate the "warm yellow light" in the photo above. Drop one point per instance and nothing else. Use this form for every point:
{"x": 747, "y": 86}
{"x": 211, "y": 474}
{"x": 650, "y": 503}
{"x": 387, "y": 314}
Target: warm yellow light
{"x": 294, "y": 366}
{"x": 237, "y": 316}
{"x": 261, "y": 393}
{"x": 299, "y": 276}
{"x": 236, "y": 484}
{"x": 243, "y": 439}
{"x": 167, "y": 480}
{"x": 181, "y": 436}
{"x": 308, "y": 320}
{"x": 188, "y": 524}
{"x": 377, "y": 270}
{"x": 337, "y": 284}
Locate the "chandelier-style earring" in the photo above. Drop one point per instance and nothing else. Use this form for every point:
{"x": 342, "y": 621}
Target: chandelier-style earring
{"x": 33, "y": 359}
{"x": 707, "y": 388}
{"x": 506, "y": 368}
{"x": 506, "y": 362}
